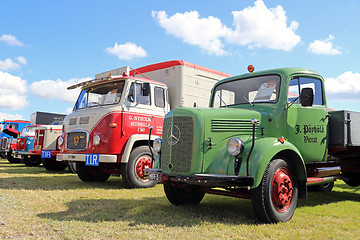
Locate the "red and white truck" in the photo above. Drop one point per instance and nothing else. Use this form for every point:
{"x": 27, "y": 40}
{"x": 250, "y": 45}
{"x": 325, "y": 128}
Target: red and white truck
{"x": 109, "y": 129}
{"x": 46, "y": 146}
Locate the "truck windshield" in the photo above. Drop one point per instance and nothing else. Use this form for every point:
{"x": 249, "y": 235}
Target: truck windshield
{"x": 105, "y": 94}
{"x": 260, "y": 89}
{"x": 27, "y": 130}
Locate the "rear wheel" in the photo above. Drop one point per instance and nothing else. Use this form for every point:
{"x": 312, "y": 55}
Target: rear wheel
{"x": 275, "y": 199}
{"x": 132, "y": 171}
{"x": 90, "y": 173}
{"x": 52, "y": 165}
{"x": 183, "y": 195}
{"x": 351, "y": 179}
{"x": 31, "y": 161}
{"x": 327, "y": 187}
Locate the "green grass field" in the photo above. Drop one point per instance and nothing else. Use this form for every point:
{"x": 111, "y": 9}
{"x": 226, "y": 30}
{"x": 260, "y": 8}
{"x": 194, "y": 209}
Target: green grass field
{"x": 37, "y": 204}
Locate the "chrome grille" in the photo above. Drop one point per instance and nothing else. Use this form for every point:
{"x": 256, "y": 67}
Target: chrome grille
{"x": 177, "y": 157}
{"x": 4, "y": 142}
{"x": 227, "y": 125}
{"x": 77, "y": 140}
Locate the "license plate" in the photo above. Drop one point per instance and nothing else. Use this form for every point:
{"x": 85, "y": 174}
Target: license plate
{"x": 92, "y": 159}
{"x": 45, "y": 154}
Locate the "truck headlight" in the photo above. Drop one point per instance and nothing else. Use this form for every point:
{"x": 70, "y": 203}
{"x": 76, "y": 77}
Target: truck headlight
{"x": 157, "y": 145}
{"x": 235, "y": 146}
{"x": 60, "y": 141}
{"x": 96, "y": 140}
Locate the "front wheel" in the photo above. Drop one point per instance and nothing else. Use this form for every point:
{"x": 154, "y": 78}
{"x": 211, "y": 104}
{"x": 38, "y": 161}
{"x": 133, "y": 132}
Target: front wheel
{"x": 183, "y": 195}
{"x": 9, "y": 156}
{"x": 90, "y": 173}
{"x": 51, "y": 164}
{"x": 31, "y": 161}
{"x": 275, "y": 199}
{"x": 132, "y": 171}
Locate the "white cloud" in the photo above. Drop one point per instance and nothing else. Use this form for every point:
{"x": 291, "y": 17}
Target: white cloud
{"x": 262, "y": 27}
{"x": 202, "y": 32}
{"x": 21, "y": 60}
{"x": 126, "y": 51}
{"x": 9, "y": 65}
{"x": 11, "y": 40}
{"x": 68, "y": 111}
{"x": 324, "y": 47}
{"x": 347, "y": 84}
{"x": 12, "y": 91}
{"x": 7, "y": 116}
{"x": 57, "y": 89}
{"x": 255, "y": 27}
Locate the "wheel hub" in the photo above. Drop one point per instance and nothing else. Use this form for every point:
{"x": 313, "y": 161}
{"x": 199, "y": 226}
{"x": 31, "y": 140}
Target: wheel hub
{"x": 143, "y": 163}
{"x": 282, "y": 189}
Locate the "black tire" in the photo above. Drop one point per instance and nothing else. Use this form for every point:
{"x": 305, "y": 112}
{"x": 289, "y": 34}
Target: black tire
{"x": 351, "y": 179}
{"x": 90, "y": 173}
{"x": 31, "y": 161}
{"x": 183, "y": 195}
{"x": 51, "y": 164}
{"x": 275, "y": 199}
{"x": 140, "y": 158}
{"x": 11, "y": 158}
{"x": 327, "y": 187}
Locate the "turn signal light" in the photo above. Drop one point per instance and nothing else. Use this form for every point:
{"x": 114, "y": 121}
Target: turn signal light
{"x": 113, "y": 125}
{"x": 281, "y": 139}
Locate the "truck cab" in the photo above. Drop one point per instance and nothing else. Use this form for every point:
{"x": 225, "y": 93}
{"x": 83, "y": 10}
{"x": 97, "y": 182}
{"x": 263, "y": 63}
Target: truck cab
{"x": 108, "y": 130}
{"x": 264, "y": 137}
{"x": 9, "y": 131}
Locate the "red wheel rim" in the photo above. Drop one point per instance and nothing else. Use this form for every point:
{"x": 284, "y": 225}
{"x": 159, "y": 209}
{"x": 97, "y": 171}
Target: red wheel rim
{"x": 282, "y": 189}
{"x": 142, "y": 163}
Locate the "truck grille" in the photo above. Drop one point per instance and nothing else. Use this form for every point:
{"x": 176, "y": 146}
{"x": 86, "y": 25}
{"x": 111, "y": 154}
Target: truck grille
{"x": 4, "y": 142}
{"x": 76, "y": 140}
{"x": 176, "y": 155}
{"x": 227, "y": 125}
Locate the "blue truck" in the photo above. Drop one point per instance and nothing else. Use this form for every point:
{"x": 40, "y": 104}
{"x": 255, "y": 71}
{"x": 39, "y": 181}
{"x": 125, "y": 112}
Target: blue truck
{"x": 9, "y": 130}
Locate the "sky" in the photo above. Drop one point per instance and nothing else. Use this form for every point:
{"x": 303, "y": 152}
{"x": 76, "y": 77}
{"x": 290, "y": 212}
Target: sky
{"x": 46, "y": 46}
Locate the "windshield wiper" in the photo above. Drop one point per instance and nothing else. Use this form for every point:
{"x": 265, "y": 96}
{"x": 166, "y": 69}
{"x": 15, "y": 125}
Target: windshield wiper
{"x": 248, "y": 101}
{"x": 222, "y": 100}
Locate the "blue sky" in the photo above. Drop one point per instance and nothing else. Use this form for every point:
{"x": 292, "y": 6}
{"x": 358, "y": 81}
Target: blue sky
{"x": 46, "y": 46}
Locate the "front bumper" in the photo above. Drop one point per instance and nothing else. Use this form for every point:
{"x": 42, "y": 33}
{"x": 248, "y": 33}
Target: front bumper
{"x": 103, "y": 158}
{"x": 204, "y": 180}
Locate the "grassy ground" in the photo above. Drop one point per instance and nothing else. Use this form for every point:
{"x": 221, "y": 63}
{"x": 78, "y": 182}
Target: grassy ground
{"x": 37, "y": 204}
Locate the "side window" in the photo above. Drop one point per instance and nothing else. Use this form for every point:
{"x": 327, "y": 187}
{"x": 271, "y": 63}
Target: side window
{"x": 293, "y": 94}
{"x": 297, "y": 84}
{"x": 136, "y": 94}
{"x": 315, "y": 84}
{"x": 159, "y": 97}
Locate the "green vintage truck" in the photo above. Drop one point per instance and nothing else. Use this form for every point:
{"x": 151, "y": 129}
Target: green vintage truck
{"x": 267, "y": 136}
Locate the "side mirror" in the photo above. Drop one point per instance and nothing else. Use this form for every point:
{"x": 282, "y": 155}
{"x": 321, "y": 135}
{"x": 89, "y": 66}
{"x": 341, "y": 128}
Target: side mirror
{"x": 146, "y": 89}
{"x": 307, "y": 97}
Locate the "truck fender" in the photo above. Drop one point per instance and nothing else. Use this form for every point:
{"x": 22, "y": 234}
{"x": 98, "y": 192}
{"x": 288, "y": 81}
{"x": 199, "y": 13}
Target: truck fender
{"x": 266, "y": 149}
{"x": 130, "y": 143}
